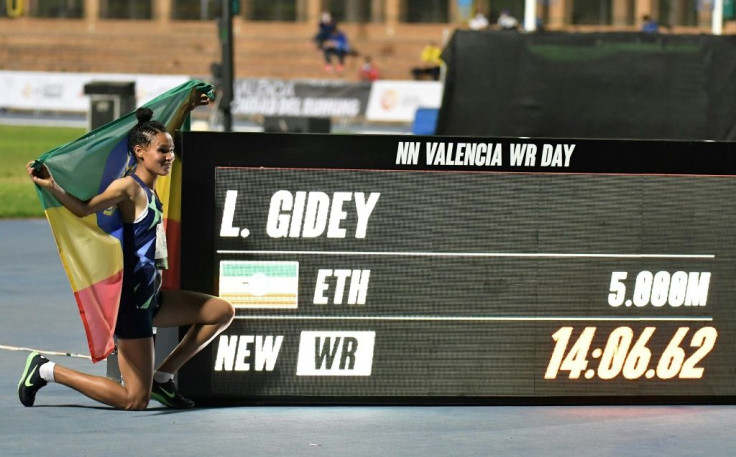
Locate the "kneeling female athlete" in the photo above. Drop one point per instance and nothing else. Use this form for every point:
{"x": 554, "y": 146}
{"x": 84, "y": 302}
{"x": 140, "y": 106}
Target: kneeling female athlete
{"x": 142, "y": 304}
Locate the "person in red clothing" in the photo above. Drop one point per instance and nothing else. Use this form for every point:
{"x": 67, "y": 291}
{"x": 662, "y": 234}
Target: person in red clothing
{"x": 368, "y": 71}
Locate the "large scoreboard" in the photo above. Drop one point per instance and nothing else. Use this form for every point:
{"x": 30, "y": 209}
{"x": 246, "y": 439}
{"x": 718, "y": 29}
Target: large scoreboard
{"x": 443, "y": 269}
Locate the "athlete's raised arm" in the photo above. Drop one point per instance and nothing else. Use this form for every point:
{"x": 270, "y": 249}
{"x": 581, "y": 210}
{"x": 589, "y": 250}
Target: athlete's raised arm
{"x": 119, "y": 190}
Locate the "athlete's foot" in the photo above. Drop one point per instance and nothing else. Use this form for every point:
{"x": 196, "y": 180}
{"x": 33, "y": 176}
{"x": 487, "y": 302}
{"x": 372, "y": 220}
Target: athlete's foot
{"x": 31, "y": 380}
{"x": 166, "y": 394}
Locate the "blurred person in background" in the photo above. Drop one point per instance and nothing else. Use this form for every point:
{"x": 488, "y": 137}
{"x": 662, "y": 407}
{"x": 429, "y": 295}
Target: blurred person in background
{"x": 507, "y": 22}
{"x": 324, "y": 29}
{"x": 478, "y": 22}
{"x": 431, "y": 62}
{"x": 368, "y": 71}
{"x": 649, "y": 25}
{"x": 336, "y": 45}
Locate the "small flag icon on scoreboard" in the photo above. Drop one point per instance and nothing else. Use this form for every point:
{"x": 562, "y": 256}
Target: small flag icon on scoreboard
{"x": 257, "y": 284}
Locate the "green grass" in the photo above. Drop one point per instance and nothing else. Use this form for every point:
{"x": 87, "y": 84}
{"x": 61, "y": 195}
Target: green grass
{"x": 18, "y": 146}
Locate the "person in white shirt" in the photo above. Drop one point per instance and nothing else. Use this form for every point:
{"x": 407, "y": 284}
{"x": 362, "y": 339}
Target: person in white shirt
{"x": 507, "y": 22}
{"x": 478, "y": 22}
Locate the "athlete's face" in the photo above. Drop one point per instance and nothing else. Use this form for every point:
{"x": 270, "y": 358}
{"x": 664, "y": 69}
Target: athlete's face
{"x": 158, "y": 156}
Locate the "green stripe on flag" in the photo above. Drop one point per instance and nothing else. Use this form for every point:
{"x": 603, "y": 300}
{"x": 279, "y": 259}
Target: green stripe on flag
{"x": 79, "y": 166}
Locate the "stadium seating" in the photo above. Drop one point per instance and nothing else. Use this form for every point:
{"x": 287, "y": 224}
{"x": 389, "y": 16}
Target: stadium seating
{"x": 278, "y": 50}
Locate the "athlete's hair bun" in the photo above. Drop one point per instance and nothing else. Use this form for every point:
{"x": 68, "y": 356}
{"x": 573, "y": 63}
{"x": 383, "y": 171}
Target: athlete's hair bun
{"x": 144, "y": 131}
{"x": 143, "y": 114}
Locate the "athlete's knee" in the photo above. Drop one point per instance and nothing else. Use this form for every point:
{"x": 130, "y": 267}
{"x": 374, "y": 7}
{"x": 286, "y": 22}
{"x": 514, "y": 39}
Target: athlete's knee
{"x": 227, "y": 312}
{"x": 137, "y": 402}
{"x": 139, "y": 405}
{"x": 217, "y": 311}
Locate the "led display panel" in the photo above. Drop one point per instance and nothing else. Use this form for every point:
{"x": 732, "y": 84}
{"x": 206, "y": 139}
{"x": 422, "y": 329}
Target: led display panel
{"x": 395, "y": 268}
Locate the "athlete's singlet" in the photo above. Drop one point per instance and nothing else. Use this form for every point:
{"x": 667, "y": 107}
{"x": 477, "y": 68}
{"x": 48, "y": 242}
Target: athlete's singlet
{"x": 141, "y": 279}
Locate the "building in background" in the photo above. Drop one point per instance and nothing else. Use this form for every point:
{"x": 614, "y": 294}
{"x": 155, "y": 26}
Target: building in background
{"x": 554, "y": 14}
{"x": 274, "y": 38}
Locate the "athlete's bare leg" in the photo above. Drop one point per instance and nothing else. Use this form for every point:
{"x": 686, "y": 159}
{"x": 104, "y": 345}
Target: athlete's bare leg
{"x": 135, "y": 358}
{"x": 207, "y": 315}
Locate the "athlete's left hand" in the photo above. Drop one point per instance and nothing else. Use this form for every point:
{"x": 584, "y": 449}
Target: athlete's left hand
{"x": 203, "y": 100}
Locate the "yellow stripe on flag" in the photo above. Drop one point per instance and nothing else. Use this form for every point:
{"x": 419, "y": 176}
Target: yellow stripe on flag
{"x": 167, "y": 188}
{"x": 89, "y": 254}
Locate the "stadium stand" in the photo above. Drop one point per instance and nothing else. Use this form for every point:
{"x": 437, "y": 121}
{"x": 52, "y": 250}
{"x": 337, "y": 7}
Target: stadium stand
{"x": 278, "y": 50}
{"x": 154, "y": 38}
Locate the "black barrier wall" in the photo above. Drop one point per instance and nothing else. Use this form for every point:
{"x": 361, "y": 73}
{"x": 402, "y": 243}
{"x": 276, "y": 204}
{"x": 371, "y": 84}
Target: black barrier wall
{"x": 590, "y": 85}
{"x": 394, "y": 268}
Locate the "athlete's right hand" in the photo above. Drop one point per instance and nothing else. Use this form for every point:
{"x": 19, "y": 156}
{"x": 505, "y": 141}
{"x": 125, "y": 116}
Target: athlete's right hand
{"x": 40, "y": 175}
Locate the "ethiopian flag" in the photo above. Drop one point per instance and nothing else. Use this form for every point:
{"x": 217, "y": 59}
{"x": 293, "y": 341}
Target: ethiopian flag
{"x": 91, "y": 247}
{"x": 259, "y": 284}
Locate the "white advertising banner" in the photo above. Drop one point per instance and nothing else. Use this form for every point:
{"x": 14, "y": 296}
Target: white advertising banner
{"x": 300, "y": 97}
{"x": 398, "y": 100}
{"x": 48, "y": 91}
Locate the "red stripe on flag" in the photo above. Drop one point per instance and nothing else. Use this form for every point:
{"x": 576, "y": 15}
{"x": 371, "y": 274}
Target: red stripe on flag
{"x": 98, "y": 306}
{"x": 171, "y": 278}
